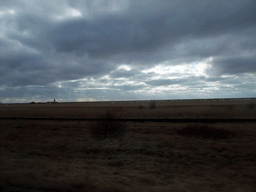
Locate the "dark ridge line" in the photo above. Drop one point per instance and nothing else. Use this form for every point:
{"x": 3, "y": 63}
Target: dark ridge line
{"x": 136, "y": 120}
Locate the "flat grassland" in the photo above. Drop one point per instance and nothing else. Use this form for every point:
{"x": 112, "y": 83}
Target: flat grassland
{"x": 49, "y": 147}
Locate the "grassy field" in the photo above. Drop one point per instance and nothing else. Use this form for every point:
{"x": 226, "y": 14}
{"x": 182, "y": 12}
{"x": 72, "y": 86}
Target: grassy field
{"x": 50, "y": 155}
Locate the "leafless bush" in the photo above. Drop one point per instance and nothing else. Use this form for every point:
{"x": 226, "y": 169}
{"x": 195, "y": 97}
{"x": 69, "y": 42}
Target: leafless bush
{"x": 204, "y": 132}
{"x": 108, "y": 125}
{"x": 152, "y": 104}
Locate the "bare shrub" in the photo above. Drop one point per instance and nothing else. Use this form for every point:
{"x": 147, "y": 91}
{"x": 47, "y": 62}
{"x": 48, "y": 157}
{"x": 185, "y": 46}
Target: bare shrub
{"x": 152, "y": 104}
{"x": 108, "y": 125}
{"x": 204, "y": 132}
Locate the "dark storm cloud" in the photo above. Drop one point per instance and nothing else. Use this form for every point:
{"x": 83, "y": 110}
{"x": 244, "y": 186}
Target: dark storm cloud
{"x": 24, "y": 68}
{"x": 234, "y": 65}
{"x": 96, "y": 39}
{"x": 143, "y": 35}
{"x": 18, "y": 68}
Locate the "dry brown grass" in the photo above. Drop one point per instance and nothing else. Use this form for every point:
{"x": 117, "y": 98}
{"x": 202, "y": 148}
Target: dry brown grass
{"x": 150, "y": 156}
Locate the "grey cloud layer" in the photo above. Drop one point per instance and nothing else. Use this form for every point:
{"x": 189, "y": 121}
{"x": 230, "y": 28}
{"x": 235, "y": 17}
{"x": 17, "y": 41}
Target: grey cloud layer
{"x": 41, "y": 43}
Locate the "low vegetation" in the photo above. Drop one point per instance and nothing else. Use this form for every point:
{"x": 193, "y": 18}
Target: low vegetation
{"x": 108, "y": 126}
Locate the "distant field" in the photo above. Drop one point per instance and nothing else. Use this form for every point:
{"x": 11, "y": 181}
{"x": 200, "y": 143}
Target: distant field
{"x": 176, "y": 109}
{"x": 41, "y": 154}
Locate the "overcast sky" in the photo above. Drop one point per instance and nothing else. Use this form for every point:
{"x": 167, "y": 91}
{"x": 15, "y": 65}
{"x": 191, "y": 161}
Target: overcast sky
{"x": 85, "y": 50}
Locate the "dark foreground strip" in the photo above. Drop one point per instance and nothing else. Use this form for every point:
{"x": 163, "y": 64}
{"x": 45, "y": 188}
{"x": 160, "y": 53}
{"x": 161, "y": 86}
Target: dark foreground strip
{"x": 137, "y": 120}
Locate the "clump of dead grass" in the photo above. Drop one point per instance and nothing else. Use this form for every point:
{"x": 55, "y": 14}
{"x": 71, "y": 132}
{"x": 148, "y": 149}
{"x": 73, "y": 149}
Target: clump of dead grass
{"x": 205, "y": 132}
